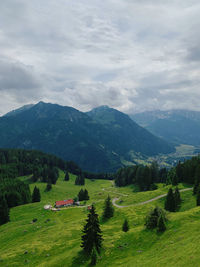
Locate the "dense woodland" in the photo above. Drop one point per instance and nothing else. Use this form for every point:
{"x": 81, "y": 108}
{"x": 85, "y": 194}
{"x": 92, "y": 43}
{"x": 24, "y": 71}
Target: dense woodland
{"x": 43, "y": 167}
{"x": 146, "y": 176}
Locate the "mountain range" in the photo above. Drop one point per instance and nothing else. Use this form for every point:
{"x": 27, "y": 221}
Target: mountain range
{"x": 98, "y": 140}
{"x": 175, "y": 126}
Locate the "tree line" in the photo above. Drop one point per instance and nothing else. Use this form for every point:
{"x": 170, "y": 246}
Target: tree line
{"x": 12, "y": 193}
{"x": 146, "y": 176}
{"x": 20, "y": 162}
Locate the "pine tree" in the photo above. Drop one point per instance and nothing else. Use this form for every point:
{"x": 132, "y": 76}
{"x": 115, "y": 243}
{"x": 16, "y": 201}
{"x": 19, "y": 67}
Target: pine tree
{"x": 125, "y": 226}
{"x": 86, "y": 196}
{"x": 108, "y": 211}
{"x": 172, "y": 177}
{"x": 66, "y": 176}
{"x": 81, "y": 195}
{"x": 48, "y": 187}
{"x": 170, "y": 201}
{"x": 177, "y": 199}
{"x": 151, "y": 221}
{"x": 4, "y": 210}
{"x": 92, "y": 237}
{"x": 80, "y": 180}
{"x": 195, "y": 187}
{"x": 161, "y": 224}
{"x": 93, "y": 258}
{"x": 36, "y": 195}
{"x": 198, "y": 197}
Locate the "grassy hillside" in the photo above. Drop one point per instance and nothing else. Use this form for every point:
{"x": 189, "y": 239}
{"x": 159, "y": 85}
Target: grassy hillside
{"x": 54, "y": 240}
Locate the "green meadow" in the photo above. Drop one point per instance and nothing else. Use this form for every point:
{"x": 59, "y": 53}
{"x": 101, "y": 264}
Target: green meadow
{"x": 54, "y": 239}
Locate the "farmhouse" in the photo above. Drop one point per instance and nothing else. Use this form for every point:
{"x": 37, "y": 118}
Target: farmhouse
{"x": 64, "y": 203}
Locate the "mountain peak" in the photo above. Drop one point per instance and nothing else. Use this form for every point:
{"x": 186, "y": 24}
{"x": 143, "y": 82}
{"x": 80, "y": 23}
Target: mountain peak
{"x": 19, "y": 110}
{"x": 100, "y": 108}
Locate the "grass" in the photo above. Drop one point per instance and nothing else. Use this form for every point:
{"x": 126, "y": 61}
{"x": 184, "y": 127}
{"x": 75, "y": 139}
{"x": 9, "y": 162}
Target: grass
{"x": 126, "y": 196}
{"x": 54, "y": 240}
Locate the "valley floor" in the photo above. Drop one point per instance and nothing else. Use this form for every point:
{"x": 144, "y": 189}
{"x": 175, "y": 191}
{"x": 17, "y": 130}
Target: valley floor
{"x": 54, "y": 239}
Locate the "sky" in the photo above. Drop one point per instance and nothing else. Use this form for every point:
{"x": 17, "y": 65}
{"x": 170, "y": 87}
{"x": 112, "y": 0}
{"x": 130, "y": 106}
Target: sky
{"x": 132, "y": 55}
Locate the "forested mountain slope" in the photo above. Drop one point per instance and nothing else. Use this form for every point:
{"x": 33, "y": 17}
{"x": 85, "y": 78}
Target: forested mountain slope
{"x": 73, "y": 135}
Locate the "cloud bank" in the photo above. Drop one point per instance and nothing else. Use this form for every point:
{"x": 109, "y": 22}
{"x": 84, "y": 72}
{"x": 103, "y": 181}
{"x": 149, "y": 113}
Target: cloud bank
{"x": 133, "y": 55}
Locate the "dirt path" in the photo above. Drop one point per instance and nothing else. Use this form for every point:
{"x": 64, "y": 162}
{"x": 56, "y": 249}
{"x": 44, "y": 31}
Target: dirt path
{"x": 107, "y": 190}
{"x": 144, "y": 202}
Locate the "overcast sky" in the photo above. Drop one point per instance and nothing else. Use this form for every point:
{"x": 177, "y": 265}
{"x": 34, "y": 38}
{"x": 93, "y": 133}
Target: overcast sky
{"x": 133, "y": 55}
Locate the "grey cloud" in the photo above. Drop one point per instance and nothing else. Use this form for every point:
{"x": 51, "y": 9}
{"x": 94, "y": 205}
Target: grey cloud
{"x": 193, "y": 54}
{"x": 15, "y": 76}
{"x": 131, "y": 55}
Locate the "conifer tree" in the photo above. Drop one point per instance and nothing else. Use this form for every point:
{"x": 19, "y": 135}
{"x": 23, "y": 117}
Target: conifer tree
{"x": 81, "y": 195}
{"x": 66, "y": 176}
{"x": 86, "y": 196}
{"x": 108, "y": 211}
{"x": 198, "y": 197}
{"x": 195, "y": 187}
{"x": 177, "y": 199}
{"x": 170, "y": 201}
{"x": 4, "y": 210}
{"x": 161, "y": 224}
{"x": 36, "y": 195}
{"x": 151, "y": 221}
{"x": 80, "y": 180}
{"x": 48, "y": 187}
{"x": 92, "y": 237}
{"x": 93, "y": 258}
{"x": 125, "y": 226}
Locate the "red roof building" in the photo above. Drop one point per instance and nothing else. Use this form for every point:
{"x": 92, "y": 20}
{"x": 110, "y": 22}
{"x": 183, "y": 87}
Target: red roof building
{"x": 64, "y": 203}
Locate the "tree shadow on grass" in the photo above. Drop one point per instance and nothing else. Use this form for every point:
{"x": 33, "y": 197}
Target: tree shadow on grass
{"x": 81, "y": 259}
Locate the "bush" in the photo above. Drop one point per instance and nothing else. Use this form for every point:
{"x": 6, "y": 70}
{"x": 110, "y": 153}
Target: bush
{"x": 152, "y": 219}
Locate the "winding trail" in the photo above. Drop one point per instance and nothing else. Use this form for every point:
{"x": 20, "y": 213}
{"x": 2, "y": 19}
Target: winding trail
{"x": 144, "y": 202}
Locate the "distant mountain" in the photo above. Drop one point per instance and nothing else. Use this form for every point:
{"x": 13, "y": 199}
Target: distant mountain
{"x": 97, "y": 140}
{"x": 126, "y": 134}
{"x": 177, "y": 126}
{"x": 19, "y": 110}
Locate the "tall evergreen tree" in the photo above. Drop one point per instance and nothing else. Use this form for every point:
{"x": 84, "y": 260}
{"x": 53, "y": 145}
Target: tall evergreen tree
{"x": 80, "y": 180}
{"x": 92, "y": 237}
{"x": 93, "y": 258}
{"x": 170, "y": 201}
{"x": 48, "y": 187}
{"x": 125, "y": 226}
{"x": 161, "y": 224}
{"x": 154, "y": 171}
{"x": 195, "y": 187}
{"x": 177, "y": 199}
{"x": 108, "y": 211}
{"x": 86, "y": 196}
{"x": 4, "y": 210}
{"x": 81, "y": 195}
{"x": 179, "y": 171}
{"x": 151, "y": 220}
{"x": 198, "y": 197}
{"x": 66, "y": 176}
{"x": 36, "y": 195}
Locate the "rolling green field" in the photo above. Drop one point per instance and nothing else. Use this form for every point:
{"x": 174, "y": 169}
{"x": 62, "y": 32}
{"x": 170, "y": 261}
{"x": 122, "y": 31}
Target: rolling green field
{"x": 54, "y": 240}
